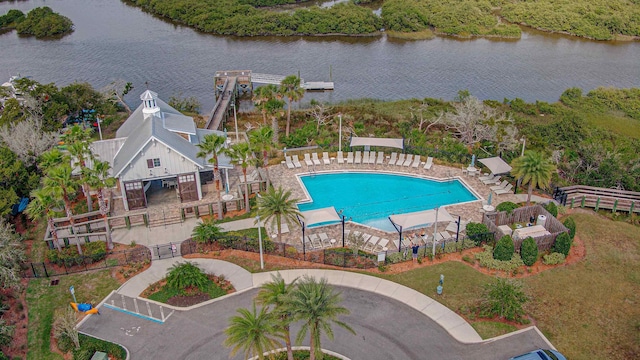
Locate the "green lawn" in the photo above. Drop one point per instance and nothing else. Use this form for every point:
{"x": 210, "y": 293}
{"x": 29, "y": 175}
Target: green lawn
{"x": 43, "y": 300}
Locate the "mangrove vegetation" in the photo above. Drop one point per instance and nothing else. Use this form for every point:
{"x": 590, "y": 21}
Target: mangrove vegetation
{"x": 40, "y": 22}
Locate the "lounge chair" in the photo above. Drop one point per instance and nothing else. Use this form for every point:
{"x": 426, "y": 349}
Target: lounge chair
{"x": 400, "y": 159}
{"x": 408, "y": 160}
{"x": 315, "y": 159}
{"x": 429, "y": 163}
{"x": 488, "y": 177}
{"x": 340, "y": 158}
{"x": 365, "y": 157}
{"x": 453, "y": 226}
{"x": 347, "y": 241}
{"x": 350, "y": 157}
{"x": 371, "y": 243}
{"x": 325, "y": 158}
{"x": 326, "y": 242}
{"x": 296, "y": 161}
{"x": 380, "y": 160}
{"x": 307, "y": 159}
{"x": 372, "y": 158}
{"x": 287, "y": 160}
{"x": 393, "y": 159}
{"x": 307, "y": 243}
{"x": 502, "y": 185}
{"x": 315, "y": 241}
{"x": 358, "y": 158}
{"x": 493, "y": 180}
{"x": 380, "y": 245}
{"x": 416, "y": 161}
{"x": 506, "y": 190}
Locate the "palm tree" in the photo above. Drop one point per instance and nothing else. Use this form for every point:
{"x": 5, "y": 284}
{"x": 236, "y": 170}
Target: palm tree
{"x": 276, "y": 293}
{"x": 41, "y": 206}
{"x": 291, "y": 88}
{"x": 318, "y": 306}
{"x": 262, "y": 140}
{"x": 240, "y": 154}
{"x": 251, "y": 332}
{"x": 99, "y": 179}
{"x": 212, "y": 144}
{"x": 261, "y": 96}
{"x": 206, "y": 231}
{"x": 51, "y": 158}
{"x": 59, "y": 184}
{"x": 277, "y": 205}
{"x": 274, "y": 108}
{"x": 77, "y": 141}
{"x": 534, "y": 169}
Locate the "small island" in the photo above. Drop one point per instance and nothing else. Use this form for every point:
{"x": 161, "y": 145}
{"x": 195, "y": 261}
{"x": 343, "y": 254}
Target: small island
{"x": 40, "y": 22}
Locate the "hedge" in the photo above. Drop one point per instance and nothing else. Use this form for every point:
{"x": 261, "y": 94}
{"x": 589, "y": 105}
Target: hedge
{"x": 68, "y": 256}
{"x": 570, "y": 224}
{"x": 89, "y": 345}
{"x": 486, "y": 259}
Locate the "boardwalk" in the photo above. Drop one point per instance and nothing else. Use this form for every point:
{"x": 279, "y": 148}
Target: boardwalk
{"x": 222, "y": 105}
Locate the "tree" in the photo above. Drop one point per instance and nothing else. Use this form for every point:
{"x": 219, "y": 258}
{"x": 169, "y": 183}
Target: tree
{"x": 562, "y": 244}
{"x": 99, "y": 179}
{"x": 78, "y": 141}
{"x": 261, "y": 96}
{"x": 28, "y": 139}
{"x": 65, "y": 327}
{"x": 251, "y": 332}
{"x": 534, "y": 169}
{"x": 317, "y": 305}
{"x": 212, "y": 144}
{"x": 291, "y": 88}
{"x": 240, "y": 154}
{"x": 276, "y": 293}
{"x": 11, "y": 256}
{"x": 116, "y": 92}
{"x": 59, "y": 184}
{"x": 206, "y": 231}
{"x": 16, "y": 180}
{"x": 42, "y": 205}
{"x": 262, "y": 140}
{"x": 503, "y": 298}
{"x": 529, "y": 251}
{"x": 277, "y": 205}
{"x": 504, "y": 249}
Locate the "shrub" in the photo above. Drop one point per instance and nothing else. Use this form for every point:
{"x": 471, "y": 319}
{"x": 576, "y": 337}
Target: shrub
{"x": 562, "y": 244}
{"x": 89, "y": 345}
{"x": 553, "y": 259}
{"x": 529, "y": 251}
{"x": 503, "y": 298}
{"x": 552, "y": 208}
{"x": 186, "y": 275}
{"x": 570, "y": 224}
{"x": 478, "y": 232}
{"x": 504, "y": 249}
{"x": 507, "y": 206}
{"x": 95, "y": 251}
{"x": 206, "y": 231}
{"x": 397, "y": 257}
{"x": 486, "y": 259}
{"x": 69, "y": 256}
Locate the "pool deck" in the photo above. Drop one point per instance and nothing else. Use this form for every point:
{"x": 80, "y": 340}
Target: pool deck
{"x": 470, "y": 211}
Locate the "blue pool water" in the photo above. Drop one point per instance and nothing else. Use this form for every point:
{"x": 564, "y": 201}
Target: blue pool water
{"x": 369, "y": 198}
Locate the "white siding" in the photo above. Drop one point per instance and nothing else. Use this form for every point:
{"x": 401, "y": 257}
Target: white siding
{"x": 170, "y": 160}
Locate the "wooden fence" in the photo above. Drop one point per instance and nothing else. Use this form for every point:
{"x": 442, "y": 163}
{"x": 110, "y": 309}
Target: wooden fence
{"x": 524, "y": 215}
{"x": 598, "y": 198}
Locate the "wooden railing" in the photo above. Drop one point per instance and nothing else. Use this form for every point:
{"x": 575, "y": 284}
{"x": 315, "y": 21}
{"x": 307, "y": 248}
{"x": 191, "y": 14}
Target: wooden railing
{"x": 598, "y": 198}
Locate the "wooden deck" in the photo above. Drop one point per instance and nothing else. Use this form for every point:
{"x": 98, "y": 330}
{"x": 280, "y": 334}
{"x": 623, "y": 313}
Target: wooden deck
{"x": 598, "y": 198}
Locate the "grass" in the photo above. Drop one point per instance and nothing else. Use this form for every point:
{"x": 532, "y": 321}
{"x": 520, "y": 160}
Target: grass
{"x": 491, "y": 329}
{"x": 166, "y": 293}
{"x": 43, "y": 300}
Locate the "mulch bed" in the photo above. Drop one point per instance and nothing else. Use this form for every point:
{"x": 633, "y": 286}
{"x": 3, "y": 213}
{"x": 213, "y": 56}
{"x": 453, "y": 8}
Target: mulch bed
{"x": 185, "y": 301}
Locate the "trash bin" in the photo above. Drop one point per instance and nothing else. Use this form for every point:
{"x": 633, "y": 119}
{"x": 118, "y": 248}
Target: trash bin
{"x": 542, "y": 219}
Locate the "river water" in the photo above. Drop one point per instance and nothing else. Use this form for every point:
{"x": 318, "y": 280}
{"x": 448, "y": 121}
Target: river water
{"x": 113, "y": 40}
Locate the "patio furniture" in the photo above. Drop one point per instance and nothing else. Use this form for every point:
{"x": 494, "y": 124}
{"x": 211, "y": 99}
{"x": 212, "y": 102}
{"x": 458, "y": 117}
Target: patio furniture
{"x": 372, "y": 158}
{"x": 429, "y": 163}
{"x": 393, "y": 159}
{"x": 365, "y": 157}
{"x": 315, "y": 240}
{"x": 358, "y": 158}
{"x": 380, "y": 160}
{"x": 488, "y": 177}
{"x": 307, "y": 159}
{"x": 326, "y": 242}
{"x": 381, "y": 245}
{"x": 506, "y": 190}
{"x": 416, "y": 161}
{"x": 340, "y": 158}
{"x": 502, "y": 185}
{"x": 492, "y": 180}
{"x": 325, "y": 158}
{"x": 350, "y": 157}
{"x": 296, "y": 161}
{"x": 371, "y": 243}
{"x": 315, "y": 159}
{"x": 400, "y": 159}
{"x": 289, "y": 163}
{"x": 408, "y": 160}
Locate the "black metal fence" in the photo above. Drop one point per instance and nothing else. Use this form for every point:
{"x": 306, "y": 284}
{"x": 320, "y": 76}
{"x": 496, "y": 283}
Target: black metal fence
{"x": 86, "y": 263}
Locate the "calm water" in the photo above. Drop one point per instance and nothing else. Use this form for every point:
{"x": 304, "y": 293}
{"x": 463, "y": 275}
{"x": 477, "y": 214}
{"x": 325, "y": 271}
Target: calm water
{"x": 370, "y": 198}
{"x": 113, "y": 40}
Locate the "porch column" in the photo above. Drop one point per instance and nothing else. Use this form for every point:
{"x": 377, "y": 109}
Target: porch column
{"x": 198, "y": 185}
{"x": 125, "y": 202}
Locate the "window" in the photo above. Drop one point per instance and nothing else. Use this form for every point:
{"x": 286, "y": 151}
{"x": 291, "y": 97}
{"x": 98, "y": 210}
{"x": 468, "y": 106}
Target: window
{"x": 151, "y": 163}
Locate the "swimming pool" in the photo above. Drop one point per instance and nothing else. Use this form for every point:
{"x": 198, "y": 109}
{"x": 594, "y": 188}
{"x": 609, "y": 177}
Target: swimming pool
{"x": 369, "y": 198}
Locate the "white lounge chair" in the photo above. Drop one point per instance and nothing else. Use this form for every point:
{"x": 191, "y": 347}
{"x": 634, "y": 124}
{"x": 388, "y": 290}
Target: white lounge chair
{"x": 340, "y": 158}
{"x": 325, "y": 158}
{"x": 372, "y": 157}
{"x": 488, "y": 177}
{"x": 380, "y": 245}
{"x": 502, "y": 185}
{"x": 416, "y": 161}
{"x": 371, "y": 243}
{"x": 408, "y": 160}
{"x": 506, "y": 190}
{"x": 350, "y": 157}
{"x": 307, "y": 243}
{"x": 326, "y": 242}
{"x": 307, "y": 159}
{"x": 315, "y": 159}
{"x": 493, "y": 180}
{"x": 365, "y": 157}
{"x": 400, "y": 159}
{"x": 393, "y": 159}
{"x": 453, "y": 226}
{"x": 315, "y": 241}
{"x": 358, "y": 158}
{"x": 296, "y": 161}
{"x": 380, "y": 160}
{"x": 287, "y": 160}
{"x": 429, "y": 163}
